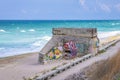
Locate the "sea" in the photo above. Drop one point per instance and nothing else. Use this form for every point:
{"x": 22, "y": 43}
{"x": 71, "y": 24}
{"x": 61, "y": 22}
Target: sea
{"x": 24, "y": 36}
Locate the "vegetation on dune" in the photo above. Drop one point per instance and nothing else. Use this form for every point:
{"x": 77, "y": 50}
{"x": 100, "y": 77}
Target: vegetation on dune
{"x": 102, "y": 51}
{"x": 108, "y": 69}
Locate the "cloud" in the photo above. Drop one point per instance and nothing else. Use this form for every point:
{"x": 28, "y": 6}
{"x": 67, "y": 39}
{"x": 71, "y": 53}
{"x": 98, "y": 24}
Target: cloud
{"x": 105, "y": 7}
{"x": 117, "y": 7}
{"x": 82, "y": 2}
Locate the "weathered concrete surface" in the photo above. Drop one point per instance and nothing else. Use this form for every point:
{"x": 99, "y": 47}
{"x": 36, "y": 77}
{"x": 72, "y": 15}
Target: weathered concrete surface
{"x": 86, "y": 40}
{"x": 61, "y": 33}
{"x": 109, "y": 53}
{"x": 81, "y": 32}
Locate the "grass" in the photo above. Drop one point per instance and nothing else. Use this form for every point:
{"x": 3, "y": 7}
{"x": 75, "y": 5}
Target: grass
{"x": 54, "y": 68}
{"x": 113, "y": 44}
{"x": 44, "y": 72}
{"x": 118, "y": 78}
{"x": 107, "y": 69}
{"x": 101, "y": 51}
{"x": 34, "y": 78}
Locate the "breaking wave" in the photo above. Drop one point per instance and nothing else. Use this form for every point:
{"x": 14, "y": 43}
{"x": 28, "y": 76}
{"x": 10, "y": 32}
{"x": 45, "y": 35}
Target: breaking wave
{"x": 2, "y": 48}
{"x": 31, "y": 30}
{"x": 107, "y": 34}
{"x": 22, "y": 31}
{"x": 1, "y": 30}
{"x": 42, "y": 41}
{"x": 46, "y": 38}
{"x": 115, "y": 24}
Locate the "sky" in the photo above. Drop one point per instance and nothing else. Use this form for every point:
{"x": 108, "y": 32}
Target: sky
{"x": 59, "y": 9}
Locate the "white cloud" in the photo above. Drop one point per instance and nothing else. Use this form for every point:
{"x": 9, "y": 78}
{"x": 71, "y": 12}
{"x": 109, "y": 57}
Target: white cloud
{"x": 105, "y": 7}
{"x": 82, "y": 2}
{"x": 118, "y": 7}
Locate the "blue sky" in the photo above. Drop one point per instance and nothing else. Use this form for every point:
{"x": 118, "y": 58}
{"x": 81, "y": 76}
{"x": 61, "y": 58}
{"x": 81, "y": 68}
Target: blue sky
{"x": 59, "y": 9}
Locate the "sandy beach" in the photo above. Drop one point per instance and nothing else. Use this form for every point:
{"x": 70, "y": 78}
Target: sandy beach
{"x": 26, "y": 65}
{"x": 108, "y": 39}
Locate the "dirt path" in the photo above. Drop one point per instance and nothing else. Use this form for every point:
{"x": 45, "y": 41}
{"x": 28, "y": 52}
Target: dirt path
{"x": 109, "y": 53}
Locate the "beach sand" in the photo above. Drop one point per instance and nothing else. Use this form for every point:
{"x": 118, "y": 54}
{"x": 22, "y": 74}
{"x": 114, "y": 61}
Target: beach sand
{"x": 109, "y": 39}
{"x": 26, "y": 65}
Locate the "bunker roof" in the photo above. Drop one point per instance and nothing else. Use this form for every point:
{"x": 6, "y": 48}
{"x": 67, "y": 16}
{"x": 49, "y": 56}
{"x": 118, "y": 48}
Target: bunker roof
{"x": 81, "y": 32}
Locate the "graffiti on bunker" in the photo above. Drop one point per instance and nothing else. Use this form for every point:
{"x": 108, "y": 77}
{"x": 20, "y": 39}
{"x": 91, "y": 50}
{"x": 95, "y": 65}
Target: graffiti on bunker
{"x": 70, "y": 49}
{"x": 55, "y": 53}
{"x": 71, "y": 43}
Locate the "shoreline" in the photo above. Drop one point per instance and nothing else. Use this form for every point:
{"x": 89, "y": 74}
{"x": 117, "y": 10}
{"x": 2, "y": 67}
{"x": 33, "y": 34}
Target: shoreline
{"x": 103, "y": 42}
{"x": 14, "y": 58}
{"x": 8, "y": 59}
{"x": 23, "y": 54}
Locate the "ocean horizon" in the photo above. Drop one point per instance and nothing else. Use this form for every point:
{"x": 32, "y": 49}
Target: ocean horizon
{"x": 23, "y": 36}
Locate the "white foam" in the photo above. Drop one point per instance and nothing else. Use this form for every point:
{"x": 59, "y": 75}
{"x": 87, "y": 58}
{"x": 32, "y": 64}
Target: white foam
{"x": 115, "y": 24}
{"x": 107, "y": 34}
{"x": 46, "y": 38}
{"x": 2, "y": 48}
{"x": 1, "y": 30}
{"x": 37, "y": 43}
{"x": 31, "y": 30}
{"x": 22, "y": 31}
{"x": 41, "y": 42}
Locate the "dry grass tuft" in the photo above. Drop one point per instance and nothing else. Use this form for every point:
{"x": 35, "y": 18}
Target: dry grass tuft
{"x": 107, "y": 69}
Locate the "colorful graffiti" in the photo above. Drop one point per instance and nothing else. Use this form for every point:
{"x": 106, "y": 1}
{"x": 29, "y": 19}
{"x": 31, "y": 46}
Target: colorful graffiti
{"x": 55, "y": 53}
{"x": 68, "y": 48}
{"x": 70, "y": 42}
{"x": 71, "y": 48}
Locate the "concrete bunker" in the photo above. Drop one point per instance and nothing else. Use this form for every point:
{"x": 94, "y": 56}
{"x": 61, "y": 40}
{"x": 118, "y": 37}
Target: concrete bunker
{"x": 70, "y": 42}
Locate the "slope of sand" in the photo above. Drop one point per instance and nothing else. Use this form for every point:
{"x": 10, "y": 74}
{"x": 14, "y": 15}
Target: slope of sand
{"x": 18, "y": 67}
{"x": 26, "y": 65}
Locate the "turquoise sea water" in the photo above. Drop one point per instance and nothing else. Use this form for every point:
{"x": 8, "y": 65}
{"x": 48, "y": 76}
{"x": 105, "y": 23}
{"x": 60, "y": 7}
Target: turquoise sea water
{"x": 24, "y": 36}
